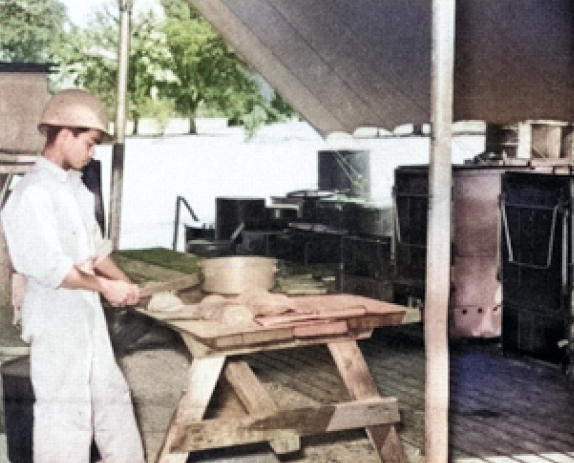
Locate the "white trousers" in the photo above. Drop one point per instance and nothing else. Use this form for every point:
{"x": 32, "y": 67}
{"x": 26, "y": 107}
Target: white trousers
{"x": 81, "y": 394}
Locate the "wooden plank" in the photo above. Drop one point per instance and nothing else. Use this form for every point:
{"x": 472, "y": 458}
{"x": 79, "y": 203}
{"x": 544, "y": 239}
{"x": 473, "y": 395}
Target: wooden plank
{"x": 177, "y": 284}
{"x": 249, "y": 389}
{"x": 355, "y": 373}
{"x": 5, "y": 279}
{"x": 166, "y": 258}
{"x": 338, "y": 327}
{"x": 203, "y": 376}
{"x": 220, "y": 336}
{"x": 202, "y": 348}
{"x": 353, "y": 369}
{"x": 412, "y": 316}
{"x": 224, "y": 403}
{"x": 323, "y": 314}
{"x": 15, "y": 168}
{"x": 281, "y": 423}
{"x": 141, "y": 272}
{"x": 371, "y": 412}
{"x": 438, "y": 253}
{"x": 372, "y": 321}
{"x": 340, "y": 301}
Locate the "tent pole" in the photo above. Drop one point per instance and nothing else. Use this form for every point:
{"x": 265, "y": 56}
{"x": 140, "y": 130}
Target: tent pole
{"x": 439, "y": 239}
{"x": 116, "y": 187}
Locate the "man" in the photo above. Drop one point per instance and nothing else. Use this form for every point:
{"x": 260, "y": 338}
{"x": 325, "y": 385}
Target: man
{"x": 55, "y": 242}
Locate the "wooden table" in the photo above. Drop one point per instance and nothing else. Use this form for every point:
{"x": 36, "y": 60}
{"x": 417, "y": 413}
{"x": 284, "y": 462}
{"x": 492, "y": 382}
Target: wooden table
{"x": 217, "y": 352}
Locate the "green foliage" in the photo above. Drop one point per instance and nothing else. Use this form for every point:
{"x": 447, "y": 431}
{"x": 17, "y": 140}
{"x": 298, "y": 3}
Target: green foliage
{"x": 210, "y": 76}
{"x": 30, "y": 29}
{"x": 207, "y": 73}
{"x": 89, "y": 59}
{"x": 178, "y": 64}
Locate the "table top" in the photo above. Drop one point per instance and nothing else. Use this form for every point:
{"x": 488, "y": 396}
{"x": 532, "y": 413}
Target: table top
{"x": 324, "y": 318}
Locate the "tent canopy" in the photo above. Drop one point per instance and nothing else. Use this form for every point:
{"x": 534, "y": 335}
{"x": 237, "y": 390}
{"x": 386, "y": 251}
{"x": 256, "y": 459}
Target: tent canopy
{"x": 347, "y": 64}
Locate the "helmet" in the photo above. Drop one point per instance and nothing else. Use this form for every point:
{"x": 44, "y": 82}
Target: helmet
{"x": 74, "y": 108}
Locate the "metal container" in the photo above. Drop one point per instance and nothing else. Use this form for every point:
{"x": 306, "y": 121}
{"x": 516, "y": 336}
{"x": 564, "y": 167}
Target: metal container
{"x": 536, "y": 255}
{"x": 236, "y": 274}
{"x": 368, "y": 287}
{"x": 199, "y": 231}
{"x": 410, "y": 196}
{"x": 374, "y": 221}
{"x": 205, "y": 248}
{"x": 19, "y": 411}
{"x": 367, "y": 257}
{"x": 338, "y": 214}
{"x": 231, "y": 212}
{"x": 308, "y": 248}
{"x": 345, "y": 171}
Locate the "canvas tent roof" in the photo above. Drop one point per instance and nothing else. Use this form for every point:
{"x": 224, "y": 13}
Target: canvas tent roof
{"x": 345, "y": 64}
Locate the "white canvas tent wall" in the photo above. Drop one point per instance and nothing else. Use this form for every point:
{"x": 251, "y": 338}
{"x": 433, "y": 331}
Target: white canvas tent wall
{"x": 345, "y": 64}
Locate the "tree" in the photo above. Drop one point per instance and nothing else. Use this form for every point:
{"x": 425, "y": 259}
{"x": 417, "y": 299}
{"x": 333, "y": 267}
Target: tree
{"x": 89, "y": 58}
{"x": 31, "y": 29}
{"x": 176, "y": 64}
{"x": 207, "y": 73}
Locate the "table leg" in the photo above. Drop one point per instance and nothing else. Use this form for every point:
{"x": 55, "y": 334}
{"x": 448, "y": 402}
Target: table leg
{"x": 203, "y": 376}
{"x": 361, "y": 385}
{"x": 248, "y": 388}
{"x": 257, "y": 400}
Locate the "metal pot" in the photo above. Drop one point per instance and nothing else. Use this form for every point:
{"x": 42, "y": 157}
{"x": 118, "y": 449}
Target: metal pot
{"x": 236, "y": 274}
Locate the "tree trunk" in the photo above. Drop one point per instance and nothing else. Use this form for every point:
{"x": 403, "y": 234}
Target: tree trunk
{"x": 192, "y": 127}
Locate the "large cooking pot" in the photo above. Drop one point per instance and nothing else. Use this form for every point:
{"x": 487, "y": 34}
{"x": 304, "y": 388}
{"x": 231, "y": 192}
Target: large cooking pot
{"x": 236, "y": 274}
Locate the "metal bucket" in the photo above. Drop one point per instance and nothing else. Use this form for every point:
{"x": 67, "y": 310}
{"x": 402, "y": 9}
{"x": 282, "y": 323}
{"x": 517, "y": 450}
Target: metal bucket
{"x": 19, "y": 411}
{"x": 236, "y": 274}
{"x": 18, "y": 408}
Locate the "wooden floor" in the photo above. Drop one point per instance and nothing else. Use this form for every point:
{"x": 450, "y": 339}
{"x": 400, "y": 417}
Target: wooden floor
{"x": 503, "y": 409}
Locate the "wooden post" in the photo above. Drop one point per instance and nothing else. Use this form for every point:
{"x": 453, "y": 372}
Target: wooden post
{"x": 119, "y": 145}
{"x": 439, "y": 237}
{"x": 4, "y": 273}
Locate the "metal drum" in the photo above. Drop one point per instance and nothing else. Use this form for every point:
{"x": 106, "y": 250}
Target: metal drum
{"x": 231, "y": 212}
{"x": 19, "y": 411}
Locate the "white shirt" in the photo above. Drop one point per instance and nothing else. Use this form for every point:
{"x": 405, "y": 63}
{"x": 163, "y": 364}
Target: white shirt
{"x": 50, "y": 226}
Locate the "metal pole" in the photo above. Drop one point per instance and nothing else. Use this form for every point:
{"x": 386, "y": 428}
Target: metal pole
{"x": 439, "y": 239}
{"x": 116, "y": 188}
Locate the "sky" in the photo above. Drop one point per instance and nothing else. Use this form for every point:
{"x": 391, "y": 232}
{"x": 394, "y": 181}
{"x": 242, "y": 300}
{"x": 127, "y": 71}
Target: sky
{"x": 79, "y": 11}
